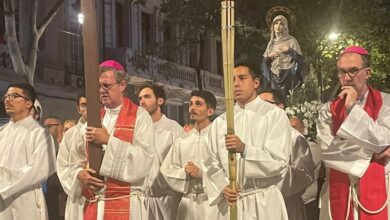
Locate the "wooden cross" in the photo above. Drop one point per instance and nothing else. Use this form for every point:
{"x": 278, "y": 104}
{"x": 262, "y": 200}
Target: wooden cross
{"x": 91, "y": 73}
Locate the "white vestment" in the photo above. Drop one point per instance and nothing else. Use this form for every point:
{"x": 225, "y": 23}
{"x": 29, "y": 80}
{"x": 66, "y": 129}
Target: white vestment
{"x": 311, "y": 191}
{"x": 71, "y": 159}
{"x": 27, "y": 157}
{"x": 265, "y": 131}
{"x": 298, "y": 177}
{"x": 124, "y": 161}
{"x": 189, "y": 147}
{"x": 161, "y": 201}
{"x": 351, "y": 150}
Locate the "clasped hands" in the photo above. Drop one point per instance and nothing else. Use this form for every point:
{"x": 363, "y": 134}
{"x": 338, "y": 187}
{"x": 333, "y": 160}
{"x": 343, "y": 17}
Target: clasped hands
{"x": 281, "y": 49}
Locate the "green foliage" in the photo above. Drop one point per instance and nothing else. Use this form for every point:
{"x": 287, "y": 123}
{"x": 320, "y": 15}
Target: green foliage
{"x": 361, "y": 22}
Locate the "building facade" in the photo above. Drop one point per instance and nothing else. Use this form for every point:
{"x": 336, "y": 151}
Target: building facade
{"x": 138, "y": 35}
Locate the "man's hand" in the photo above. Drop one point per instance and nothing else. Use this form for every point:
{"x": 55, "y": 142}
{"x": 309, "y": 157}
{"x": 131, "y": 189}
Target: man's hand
{"x": 97, "y": 135}
{"x": 383, "y": 156}
{"x": 91, "y": 182}
{"x": 234, "y": 143}
{"x": 350, "y": 95}
{"x": 230, "y": 195}
{"x": 191, "y": 169}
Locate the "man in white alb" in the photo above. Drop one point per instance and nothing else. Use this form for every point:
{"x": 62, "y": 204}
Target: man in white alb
{"x": 353, "y": 132}
{"x": 182, "y": 166}
{"x": 127, "y": 137}
{"x": 161, "y": 201}
{"x": 262, "y": 143}
{"x": 27, "y": 157}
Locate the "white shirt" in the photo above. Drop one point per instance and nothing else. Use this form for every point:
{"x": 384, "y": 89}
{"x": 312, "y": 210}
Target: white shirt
{"x": 27, "y": 157}
{"x": 265, "y": 131}
{"x": 357, "y": 139}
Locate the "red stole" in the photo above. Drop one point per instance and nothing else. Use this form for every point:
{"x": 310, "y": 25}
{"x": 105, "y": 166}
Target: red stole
{"x": 372, "y": 185}
{"x": 116, "y": 209}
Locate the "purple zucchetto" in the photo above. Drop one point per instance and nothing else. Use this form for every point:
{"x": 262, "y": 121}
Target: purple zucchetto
{"x": 355, "y": 49}
{"x": 112, "y": 64}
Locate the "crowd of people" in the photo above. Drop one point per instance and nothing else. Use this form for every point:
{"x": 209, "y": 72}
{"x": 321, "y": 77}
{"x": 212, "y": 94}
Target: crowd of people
{"x": 153, "y": 168}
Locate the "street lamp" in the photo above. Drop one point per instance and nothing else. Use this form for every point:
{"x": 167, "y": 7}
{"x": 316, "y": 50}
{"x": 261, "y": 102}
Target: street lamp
{"x": 80, "y": 18}
{"x": 333, "y": 36}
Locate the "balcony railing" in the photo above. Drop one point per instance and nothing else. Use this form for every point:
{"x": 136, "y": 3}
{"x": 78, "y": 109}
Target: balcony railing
{"x": 167, "y": 72}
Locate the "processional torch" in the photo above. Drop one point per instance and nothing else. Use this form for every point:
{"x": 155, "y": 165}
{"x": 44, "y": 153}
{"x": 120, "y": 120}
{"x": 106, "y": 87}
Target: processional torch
{"x": 227, "y": 33}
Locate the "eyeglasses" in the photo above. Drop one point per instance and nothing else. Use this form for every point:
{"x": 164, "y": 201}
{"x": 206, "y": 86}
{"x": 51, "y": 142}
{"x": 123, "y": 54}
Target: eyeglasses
{"x": 351, "y": 72}
{"x": 106, "y": 86}
{"x": 13, "y": 96}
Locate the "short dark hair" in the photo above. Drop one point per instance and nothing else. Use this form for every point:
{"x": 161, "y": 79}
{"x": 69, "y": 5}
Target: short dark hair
{"x": 28, "y": 90}
{"x": 55, "y": 118}
{"x": 277, "y": 95}
{"x": 209, "y": 97}
{"x": 158, "y": 90}
{"x": 253, "y": 70}
{"x": 79, "y": 96}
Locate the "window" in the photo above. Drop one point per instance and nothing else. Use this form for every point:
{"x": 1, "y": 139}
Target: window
{"x": 169, "y": 41}
{"x": 147, "y": 31}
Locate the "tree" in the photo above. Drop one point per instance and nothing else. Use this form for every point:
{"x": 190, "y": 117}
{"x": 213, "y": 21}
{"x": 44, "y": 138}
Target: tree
{"x": 360, "y": 22}
{"x": 197, "y": 20}
{"x": 23, "y": 49}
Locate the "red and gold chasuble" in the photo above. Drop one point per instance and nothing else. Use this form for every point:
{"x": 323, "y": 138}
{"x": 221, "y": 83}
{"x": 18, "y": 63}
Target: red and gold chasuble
{"x": 117, "y": 193}
{"x": 372, "y": 185}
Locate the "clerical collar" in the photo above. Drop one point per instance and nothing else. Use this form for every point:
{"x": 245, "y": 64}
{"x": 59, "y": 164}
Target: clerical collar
{"x": 113, "y": 111}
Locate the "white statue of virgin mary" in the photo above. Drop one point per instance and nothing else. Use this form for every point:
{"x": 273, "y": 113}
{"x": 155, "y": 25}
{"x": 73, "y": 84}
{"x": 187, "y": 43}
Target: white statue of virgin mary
{"x": 282, "y": 60}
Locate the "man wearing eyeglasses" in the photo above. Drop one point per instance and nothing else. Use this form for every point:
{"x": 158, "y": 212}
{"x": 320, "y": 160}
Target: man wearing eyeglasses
{"x": 127, "y": 137}
{"x": 354, "y": 135}
{"x": 54, "y": 124}
{"x": 27, "y": 157}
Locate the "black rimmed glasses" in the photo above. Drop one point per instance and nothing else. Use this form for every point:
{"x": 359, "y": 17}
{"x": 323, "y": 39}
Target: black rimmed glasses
{"x": 13, "y": 96}
{"x": 341, "y": 73}
{"x": 107, "y": 86}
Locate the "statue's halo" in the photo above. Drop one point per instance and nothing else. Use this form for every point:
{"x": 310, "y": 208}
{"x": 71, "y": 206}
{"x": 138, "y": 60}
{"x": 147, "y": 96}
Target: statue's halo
{"x": 281, "y": 10}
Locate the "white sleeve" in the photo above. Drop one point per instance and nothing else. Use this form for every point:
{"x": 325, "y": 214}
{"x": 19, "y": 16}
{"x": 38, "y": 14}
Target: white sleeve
{"x": 71, "y": 159}
{"x": 215, "y": 177}
{"x": 130, "y": 162}
{"x": 173, "y": 170}
{"x": 300, "y": 172}
{"x": 38, "y": 169}
{"x": 339, "y": 153}
{"x": 362, "y": 130}
{"x": 269, "y": 154}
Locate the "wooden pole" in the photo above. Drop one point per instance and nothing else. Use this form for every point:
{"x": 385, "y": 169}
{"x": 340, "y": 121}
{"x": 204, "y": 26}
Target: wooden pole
{"x": 227, "y": 32}
{"x": 91, "y": 72}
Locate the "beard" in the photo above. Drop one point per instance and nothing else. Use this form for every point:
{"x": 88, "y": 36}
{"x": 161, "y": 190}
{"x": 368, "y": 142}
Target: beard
{"x": 152, "y": 109}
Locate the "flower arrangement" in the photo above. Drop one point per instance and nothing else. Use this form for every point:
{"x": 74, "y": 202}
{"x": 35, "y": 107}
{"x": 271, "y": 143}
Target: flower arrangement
{"x": 308, "y": 113}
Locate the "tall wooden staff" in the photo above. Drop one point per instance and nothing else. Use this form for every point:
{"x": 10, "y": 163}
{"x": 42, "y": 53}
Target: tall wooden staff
{"x": 91, "y": 71}
{"x": 227, "y": 30}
